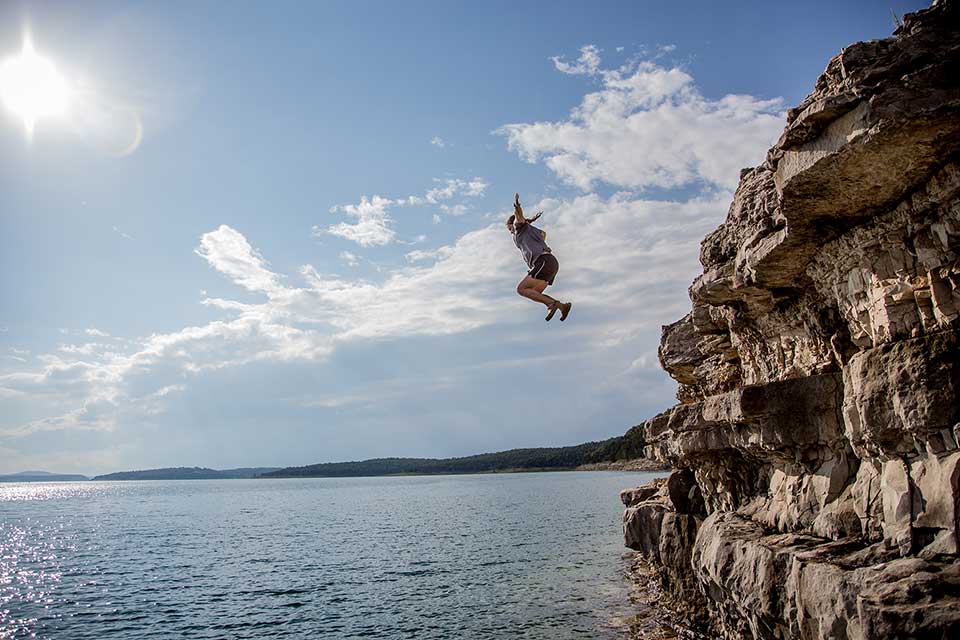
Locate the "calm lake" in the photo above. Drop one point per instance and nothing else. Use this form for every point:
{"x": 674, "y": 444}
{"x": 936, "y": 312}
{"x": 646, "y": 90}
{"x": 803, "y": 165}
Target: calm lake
{"x": 536, "y": 555}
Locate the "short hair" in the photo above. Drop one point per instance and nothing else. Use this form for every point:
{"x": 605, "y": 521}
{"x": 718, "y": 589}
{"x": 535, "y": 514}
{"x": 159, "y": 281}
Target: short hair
{"x": 511, "y": 219}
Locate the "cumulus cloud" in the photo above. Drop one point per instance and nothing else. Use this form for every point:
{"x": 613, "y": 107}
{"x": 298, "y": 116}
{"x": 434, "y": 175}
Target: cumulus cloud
{"x": 437, "y": 141}
{"x": 648, "y": 126}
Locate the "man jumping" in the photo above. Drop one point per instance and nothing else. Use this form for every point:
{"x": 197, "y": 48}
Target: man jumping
{"x": 543, "y": 265}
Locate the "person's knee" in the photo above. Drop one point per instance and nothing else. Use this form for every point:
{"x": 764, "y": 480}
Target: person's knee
{"x": 521, "y": 288}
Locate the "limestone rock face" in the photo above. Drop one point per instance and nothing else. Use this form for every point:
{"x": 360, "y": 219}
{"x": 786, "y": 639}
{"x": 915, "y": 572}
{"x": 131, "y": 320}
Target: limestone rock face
{"x": 817, "y": 484}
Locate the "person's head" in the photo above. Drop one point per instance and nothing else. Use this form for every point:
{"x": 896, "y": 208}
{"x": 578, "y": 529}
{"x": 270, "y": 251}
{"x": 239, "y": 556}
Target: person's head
{"x": 510, "y": 222}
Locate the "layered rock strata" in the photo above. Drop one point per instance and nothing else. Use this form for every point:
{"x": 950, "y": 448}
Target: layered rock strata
{"x": 816, "y": 491}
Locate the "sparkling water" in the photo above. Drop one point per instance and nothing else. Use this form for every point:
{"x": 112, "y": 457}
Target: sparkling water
{"x": 536, "y": 555}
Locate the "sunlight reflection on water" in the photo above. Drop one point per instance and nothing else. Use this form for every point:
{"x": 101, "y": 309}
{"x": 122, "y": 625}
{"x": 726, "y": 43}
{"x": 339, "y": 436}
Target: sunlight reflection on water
{"x": 519, "y": 555}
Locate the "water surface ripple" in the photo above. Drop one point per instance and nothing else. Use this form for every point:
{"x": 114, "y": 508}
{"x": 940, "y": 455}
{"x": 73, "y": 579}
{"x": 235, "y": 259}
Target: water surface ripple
{"x": 481, "y": 556}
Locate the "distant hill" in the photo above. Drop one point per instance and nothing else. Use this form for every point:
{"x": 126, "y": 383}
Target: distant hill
{"x": 41, "y": 476}
{"x": 187, "y": 473}
{"x": 626, "y": 447}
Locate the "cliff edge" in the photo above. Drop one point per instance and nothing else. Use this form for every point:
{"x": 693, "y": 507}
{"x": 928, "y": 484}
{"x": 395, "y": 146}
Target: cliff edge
{"x": 817, "y": 484}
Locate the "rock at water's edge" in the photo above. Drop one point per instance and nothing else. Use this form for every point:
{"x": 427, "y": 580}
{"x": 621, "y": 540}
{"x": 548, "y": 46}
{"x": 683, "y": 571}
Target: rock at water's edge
{"x": 816, "y": 491}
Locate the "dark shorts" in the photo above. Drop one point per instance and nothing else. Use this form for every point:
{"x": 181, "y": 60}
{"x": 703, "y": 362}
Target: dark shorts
{"x": 545, "y": 267}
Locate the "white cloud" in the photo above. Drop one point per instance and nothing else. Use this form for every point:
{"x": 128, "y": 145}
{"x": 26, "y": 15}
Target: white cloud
{"x": 454, "y": 210}
{"x": 587, "y": 64}
{"x": 419, "y": 255}
{"x": 18, "y": 354}
{"x": 476, "y": 187}
{"x": 228, "y": 251}
{"x": 82, "y": 349}
{"x": 437, "y": 141}
{"x": 625, "y": 262}
{"x": 648, "y": 126}
{"x": 167, "y": 390}
{"x": 469, "y": 188}
{"x": 97, "y": 333}
{"x": 374, "y": 225}
{"x": 351, "y": 259}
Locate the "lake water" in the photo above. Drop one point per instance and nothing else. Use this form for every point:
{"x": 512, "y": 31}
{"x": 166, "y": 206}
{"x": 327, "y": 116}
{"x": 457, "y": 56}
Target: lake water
{"x": 536, "y": 555}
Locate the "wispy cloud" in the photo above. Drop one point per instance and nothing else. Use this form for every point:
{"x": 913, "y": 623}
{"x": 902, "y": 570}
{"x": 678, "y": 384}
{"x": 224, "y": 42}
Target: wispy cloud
{"x": 587, "y": 64}
{"x": 437, "y": 141}
{"x": 228, "y": 251}
{"x": 349, "y": 258}
{"x": 625, "y": 260}
{"x": 418, "y": 255}
{"x": 374, "y": 226}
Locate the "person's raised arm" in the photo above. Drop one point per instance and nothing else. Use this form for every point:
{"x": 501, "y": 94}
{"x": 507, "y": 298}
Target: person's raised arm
{"x": 518, "y": 210}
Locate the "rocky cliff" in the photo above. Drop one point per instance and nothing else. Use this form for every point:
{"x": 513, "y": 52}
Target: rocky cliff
{"x": 816, "y": 491}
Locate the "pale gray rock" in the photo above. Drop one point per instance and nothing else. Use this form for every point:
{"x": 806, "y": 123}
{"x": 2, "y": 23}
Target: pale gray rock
{"x": 816, "y": 483}
{"x": 632, "y": 497}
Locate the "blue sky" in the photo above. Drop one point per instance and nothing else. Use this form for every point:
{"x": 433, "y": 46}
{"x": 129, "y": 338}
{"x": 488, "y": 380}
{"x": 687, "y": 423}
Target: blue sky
{"x": 272, "y": 234}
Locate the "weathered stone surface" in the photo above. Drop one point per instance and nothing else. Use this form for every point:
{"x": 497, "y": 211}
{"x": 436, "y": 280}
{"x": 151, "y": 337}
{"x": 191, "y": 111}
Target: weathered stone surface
{"x": 699, "y": 356}
{"x": 901, "y": 398}
{"x": 816, "y": 491}
{"x": 801, "y": 586}
{"x": 633, "y": 497}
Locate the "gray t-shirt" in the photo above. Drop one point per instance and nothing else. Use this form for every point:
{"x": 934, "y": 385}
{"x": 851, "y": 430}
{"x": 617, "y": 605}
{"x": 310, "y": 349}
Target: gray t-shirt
{"x": 530, "y": 241}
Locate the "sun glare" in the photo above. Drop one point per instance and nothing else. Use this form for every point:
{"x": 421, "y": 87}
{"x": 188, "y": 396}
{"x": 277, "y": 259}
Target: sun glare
{"x": 32, "y": 88}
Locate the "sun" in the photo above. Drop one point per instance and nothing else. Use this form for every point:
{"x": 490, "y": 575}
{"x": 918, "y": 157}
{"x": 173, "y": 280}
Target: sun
{"x": 32, "y": 88}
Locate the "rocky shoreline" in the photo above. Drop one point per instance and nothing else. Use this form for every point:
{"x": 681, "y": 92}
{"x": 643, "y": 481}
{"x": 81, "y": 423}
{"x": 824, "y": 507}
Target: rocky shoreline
{"x": 816, "y": 490}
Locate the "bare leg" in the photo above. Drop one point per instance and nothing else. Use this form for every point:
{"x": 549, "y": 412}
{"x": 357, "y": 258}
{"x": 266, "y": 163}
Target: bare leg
{"x": 532, "y": 288}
